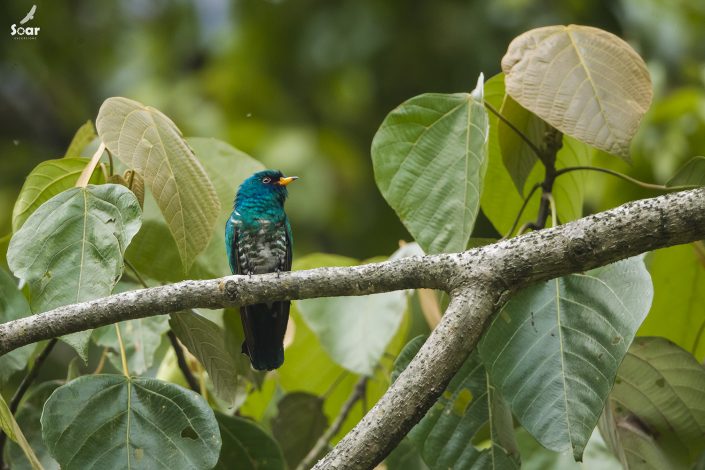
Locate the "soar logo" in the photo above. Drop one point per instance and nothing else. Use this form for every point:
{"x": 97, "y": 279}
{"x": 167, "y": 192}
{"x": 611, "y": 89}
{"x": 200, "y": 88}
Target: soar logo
{"x": 25, "y": 32}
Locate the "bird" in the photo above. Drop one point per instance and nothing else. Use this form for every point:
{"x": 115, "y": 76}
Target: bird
{"x": 258, "y": 240}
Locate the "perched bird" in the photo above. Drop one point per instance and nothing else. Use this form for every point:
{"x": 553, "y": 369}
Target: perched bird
{"x": 257, "y": 241}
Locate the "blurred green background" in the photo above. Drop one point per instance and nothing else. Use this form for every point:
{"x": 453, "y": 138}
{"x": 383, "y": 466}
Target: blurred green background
{"x": 303, "y": 85}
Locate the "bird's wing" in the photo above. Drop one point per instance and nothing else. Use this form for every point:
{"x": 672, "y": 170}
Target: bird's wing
{"x": 289, "y": 246}
{"x": 230, "y": 247}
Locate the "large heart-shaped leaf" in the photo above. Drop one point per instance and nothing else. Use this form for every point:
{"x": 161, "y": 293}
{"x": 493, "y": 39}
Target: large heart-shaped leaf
{"x": 584, "y": 81}
{"x": 150, "y": 143}
{"x": 246, "y": 446}
{"x": 429, "y": 159}
{"x": 205, "y": 340}
{"x": 113, "y": 421}
{"x": 445, "y": 435}
{"x": 70, "y": 249}
{"x": 13, "y": 305}
{"x": 45, "y": 181}
{"x": 655, "y": 416}
{"x": 354, "y": 331}
{"x": 554, "y": 349}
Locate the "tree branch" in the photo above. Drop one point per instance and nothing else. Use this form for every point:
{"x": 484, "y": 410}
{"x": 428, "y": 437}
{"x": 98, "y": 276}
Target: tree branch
{"x": 478, "y": 281}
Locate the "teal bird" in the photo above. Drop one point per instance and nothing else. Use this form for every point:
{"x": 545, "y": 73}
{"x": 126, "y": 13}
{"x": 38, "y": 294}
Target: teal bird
{"x": 258, "y": 240}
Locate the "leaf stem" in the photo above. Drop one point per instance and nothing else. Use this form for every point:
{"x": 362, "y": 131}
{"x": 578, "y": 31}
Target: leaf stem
{"x": 82, "y": 181}
{"x": 521, "y": 135}
{"x": 357, "y": 394}
{"x": 123, "y": 355}
{"x": 635, "y": 181}
{"x": 183, "y": 365}
{"x": 335, "y": 384}
{"x": 101, "y": 362}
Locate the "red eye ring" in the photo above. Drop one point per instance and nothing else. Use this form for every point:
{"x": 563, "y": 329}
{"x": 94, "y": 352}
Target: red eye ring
{"x": 266, "y": 180}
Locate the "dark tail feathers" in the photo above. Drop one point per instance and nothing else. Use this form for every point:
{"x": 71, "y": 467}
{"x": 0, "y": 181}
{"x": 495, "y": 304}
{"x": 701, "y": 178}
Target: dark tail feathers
{"x": 265, "y": 325}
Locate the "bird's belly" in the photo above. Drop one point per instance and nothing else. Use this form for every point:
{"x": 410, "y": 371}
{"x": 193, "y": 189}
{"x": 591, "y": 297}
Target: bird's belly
{"x": 267, "y": 258}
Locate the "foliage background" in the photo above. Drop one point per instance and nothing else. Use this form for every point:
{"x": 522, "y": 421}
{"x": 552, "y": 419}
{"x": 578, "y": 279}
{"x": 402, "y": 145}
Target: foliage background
{"x": 303, "y": 85}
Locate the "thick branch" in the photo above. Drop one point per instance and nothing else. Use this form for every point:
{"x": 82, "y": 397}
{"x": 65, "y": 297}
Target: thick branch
{"x": 478, "y": 280}
{"x": 593, "y": 241}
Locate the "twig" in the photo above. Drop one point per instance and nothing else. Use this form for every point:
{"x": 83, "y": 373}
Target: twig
{"x": 123, "y": 354}
{"x": 183, "y": 365}
{"x": 24, "y": 386}
{"x": 101, "y": 362}
{"x": 635, "y": 181}
{"x": 357, "y": 394}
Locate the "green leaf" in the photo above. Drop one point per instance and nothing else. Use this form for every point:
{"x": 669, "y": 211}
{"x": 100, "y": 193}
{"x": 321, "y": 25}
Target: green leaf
{"x": 9, "y": 426}
{"x": 28, "y": 417}
{"x": 518, "y": 157}
{"x": 554, "y": 349}
{"x": 299, "y": 423}
{"x": 655, "y": 416}
{"x": 83, "y": 137}
{"x": 147, "y": 141}
{"x": 141, "y": 338}
{"x": 445, "y": 435}
{"x": 13, "y": 305}
{"x": 354, "y": 331}
{"x": 205, "y": 340}
{"x": 678, "y": 273}
{"x": 584, "y": 81}
{"x": 691, "y": 174}
{"x": 405, "y": 456}
{"x": 70, "y": 249}
{"x": 534, "y": 456}
{"x": 45, "y": 181}
{"x": 112, "y": 421}
{"x": 429, "y": 158}
{"x": 155, "y": 254}
{"x": 246, "y": 446}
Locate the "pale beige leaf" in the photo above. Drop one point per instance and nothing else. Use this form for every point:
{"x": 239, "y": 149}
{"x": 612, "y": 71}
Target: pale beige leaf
{"x": 584, "y": 81}
{"x": 150, "y": 143}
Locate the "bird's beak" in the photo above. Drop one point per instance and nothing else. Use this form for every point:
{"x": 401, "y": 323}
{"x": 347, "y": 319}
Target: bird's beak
{"x": 284, "y": 180}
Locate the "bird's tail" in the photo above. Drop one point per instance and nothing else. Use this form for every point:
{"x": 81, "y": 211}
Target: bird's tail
{"x": 265, "y": 325}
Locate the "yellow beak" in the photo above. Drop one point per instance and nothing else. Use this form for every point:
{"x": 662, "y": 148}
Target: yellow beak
{"x": 284, "y": 180}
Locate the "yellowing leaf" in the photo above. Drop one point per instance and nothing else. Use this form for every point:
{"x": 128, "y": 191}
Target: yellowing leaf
{"x": 584, "y": 81}
{"x": 150, "y": 143}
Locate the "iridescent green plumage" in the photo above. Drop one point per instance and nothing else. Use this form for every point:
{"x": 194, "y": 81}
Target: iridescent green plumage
{"x": 258, "y": 240}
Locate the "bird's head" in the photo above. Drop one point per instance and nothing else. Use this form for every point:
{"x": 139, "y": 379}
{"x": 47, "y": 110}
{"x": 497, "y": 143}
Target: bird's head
{"x": 264, "y": 186}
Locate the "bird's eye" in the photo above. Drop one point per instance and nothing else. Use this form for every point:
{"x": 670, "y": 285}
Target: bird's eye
{"x": 266, "y": 180}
